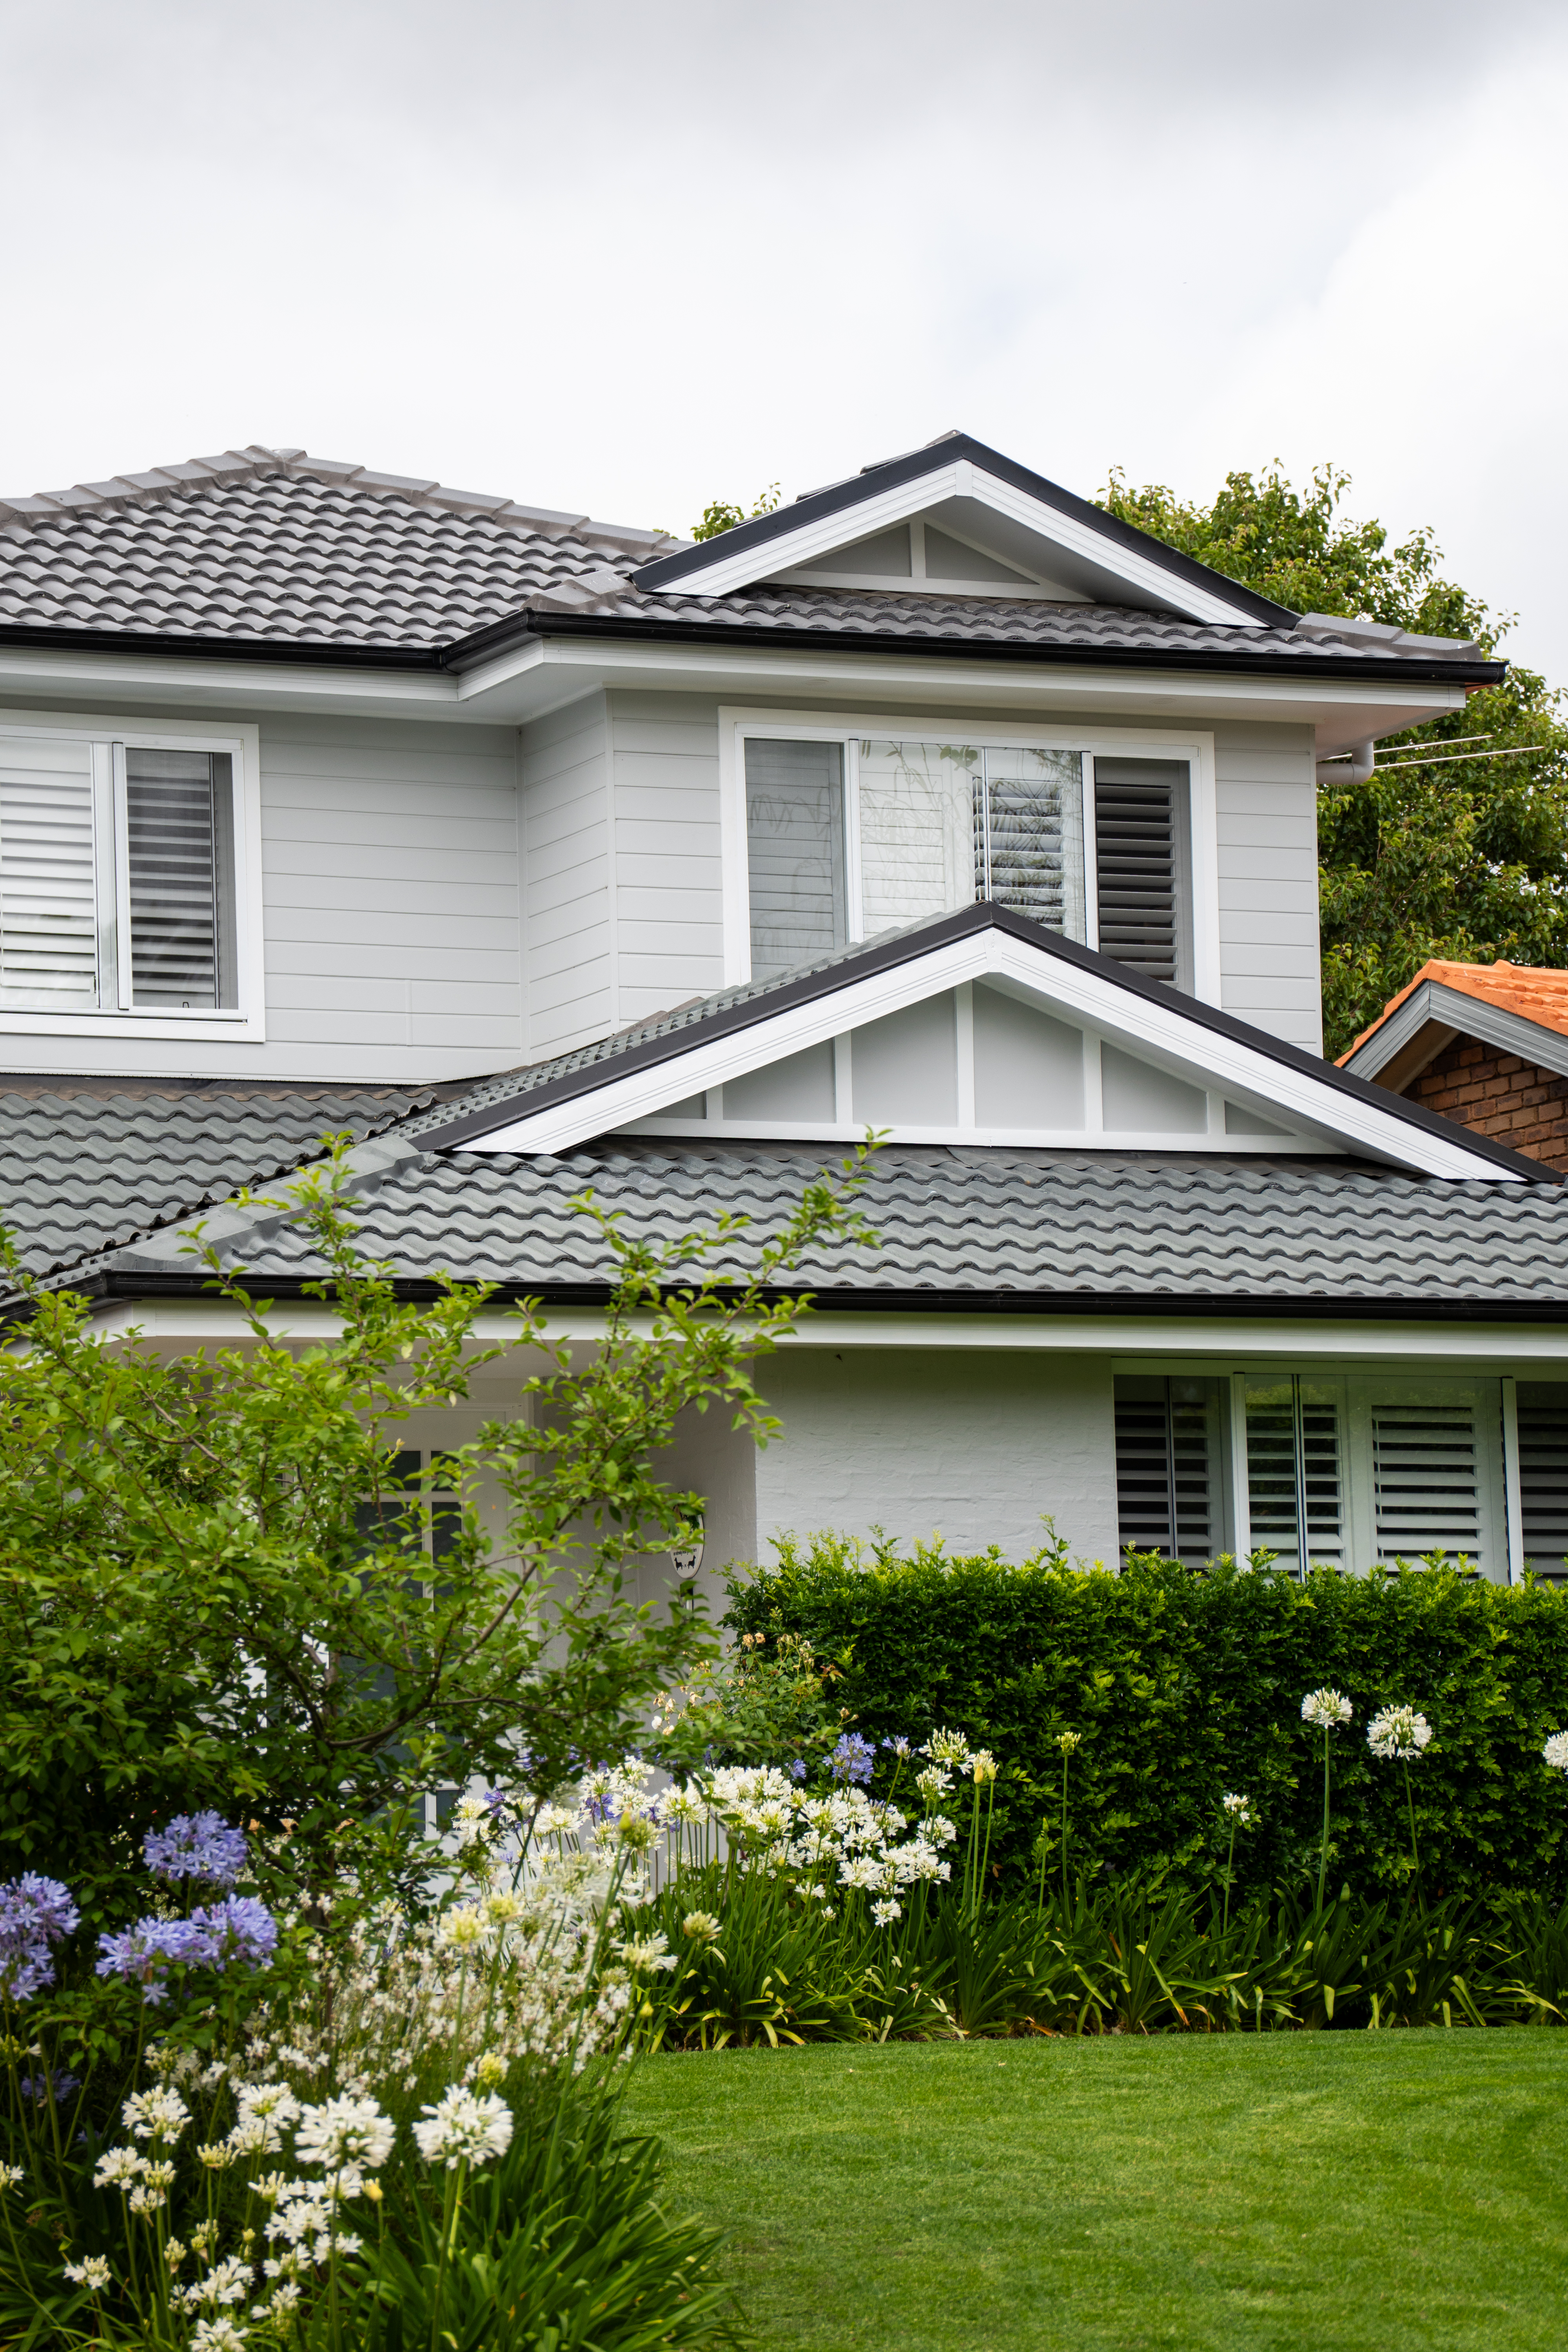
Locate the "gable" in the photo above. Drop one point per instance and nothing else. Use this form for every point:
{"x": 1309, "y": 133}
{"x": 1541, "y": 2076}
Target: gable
{"x": 981, "y": 1027}
{"x": 958, "y": 519}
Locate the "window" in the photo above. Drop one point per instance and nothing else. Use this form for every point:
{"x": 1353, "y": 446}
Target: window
{"x": 1543, "y": 1475}
{"x": 117, "y": 876}
{"x": 1168, "y": 1487}
{"x": 847, "y": 838}
{"x": 1333, "y": 1470}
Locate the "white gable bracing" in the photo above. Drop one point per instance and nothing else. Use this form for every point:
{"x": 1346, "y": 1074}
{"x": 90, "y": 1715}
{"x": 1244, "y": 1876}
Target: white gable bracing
{"x": 984, "y": 1035}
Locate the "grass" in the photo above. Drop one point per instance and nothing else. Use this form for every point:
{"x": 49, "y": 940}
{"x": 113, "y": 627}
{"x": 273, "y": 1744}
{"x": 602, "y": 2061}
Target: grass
{"x": 1341, "y": 2191}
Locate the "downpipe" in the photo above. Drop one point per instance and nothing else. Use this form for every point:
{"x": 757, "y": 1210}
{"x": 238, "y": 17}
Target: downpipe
{"x": 1349, "y": 768}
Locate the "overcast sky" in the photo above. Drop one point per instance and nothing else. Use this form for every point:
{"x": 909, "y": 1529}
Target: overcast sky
{"x": 627, "y": 258}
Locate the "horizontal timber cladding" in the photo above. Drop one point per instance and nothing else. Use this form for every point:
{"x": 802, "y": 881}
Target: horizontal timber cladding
{"x": 1267, "y": 822}
{"x": 568, "y": 887}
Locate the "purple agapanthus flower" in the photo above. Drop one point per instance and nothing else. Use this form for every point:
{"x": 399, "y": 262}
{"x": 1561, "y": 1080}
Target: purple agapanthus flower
{"x": 144, "y": 1954}
{"x": 37, "y": 2088}
{"x": 34, "y": 1910}
{"x": 852, "y": 1759}
{"x": 25, "y": 1969}
{"x": 797, "y": 1768}
{"x": 198, "y": 1846}
{"x": 898, "y": 1745}
{"x": 240, "y": 1929}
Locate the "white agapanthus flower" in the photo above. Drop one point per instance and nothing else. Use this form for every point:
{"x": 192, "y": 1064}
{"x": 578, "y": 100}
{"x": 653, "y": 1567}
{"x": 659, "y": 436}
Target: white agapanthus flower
{"x": 887, "y": 1911}
{"x": 10, "y": 2174}
{"x": 1555, "y": 1752}
{"x": 700, "y": 1925}
{"x": 1325, "y": 1710}
{"x": 463, "y": 2129}
{"x": 155, "y": 2114}
{"x": 218, "y": 2335}
{"x": 946, "y": 1748}
{"x": 93, "y": 2273}
{"x": 1240, "y": 1808}
{"x": 1398, "y": 1732}
{"x": 227, "y": 2281}
{"x": 643, "y": 1954}
{"x": 343, "y": 2132}
{"x": 933, "y": 1782}
{"x": 117, "y": 2169}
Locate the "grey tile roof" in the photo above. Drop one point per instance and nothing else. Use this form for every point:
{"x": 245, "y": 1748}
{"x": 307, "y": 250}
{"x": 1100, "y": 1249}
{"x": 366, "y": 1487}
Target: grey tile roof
{"x": 995, "y": 1227}
{"x": 273, "y": 546}
{"x": 80, "y": 1172}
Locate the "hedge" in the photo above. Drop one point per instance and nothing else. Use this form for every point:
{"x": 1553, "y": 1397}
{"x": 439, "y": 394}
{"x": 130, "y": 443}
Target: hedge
{"x": 1187, "y": 1683}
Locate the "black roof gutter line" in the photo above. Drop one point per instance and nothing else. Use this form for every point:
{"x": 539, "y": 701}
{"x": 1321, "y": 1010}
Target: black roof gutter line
{"x": 110, "y": 1287}
{"x": 909, "y": 948}
{"x": 841, "y": 496}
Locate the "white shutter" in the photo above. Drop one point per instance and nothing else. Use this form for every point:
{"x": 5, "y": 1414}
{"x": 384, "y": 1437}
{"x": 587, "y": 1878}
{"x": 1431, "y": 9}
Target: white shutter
{"x": 1427, "y": 1481}
{"x": 1167, "y": 1483}
{"x": 174, "y": 880}
{"x": 1294, "y": 1472}
{"x": 1543, "y": 1475}
{"x": 48, "y": 901}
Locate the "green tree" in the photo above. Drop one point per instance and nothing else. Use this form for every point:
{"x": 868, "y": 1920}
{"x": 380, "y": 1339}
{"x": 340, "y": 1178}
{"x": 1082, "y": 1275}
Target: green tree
{"x": 209, "y": 1584}
{"x": 720, "y": 517}
{"x": 1460, "y": 854}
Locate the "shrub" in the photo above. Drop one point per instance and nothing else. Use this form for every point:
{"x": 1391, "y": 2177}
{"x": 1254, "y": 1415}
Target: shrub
{"x": 1186, "y": 1684}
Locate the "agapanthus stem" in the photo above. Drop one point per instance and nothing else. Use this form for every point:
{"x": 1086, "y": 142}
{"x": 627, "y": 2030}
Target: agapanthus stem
{"x": 1064, "y": 1828}
{"x": 1229, "y": 1874}
{"x": 1323, "y": 1854}
{"x": 1410, "y": 1808}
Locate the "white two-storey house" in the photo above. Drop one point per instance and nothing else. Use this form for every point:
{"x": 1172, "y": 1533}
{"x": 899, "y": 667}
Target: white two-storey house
{"x": 544, "y": 853}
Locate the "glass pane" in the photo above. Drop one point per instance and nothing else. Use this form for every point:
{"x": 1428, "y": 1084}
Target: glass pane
{"x": 795, "y": 849}
{"x": 1028, "y": 836}
{"x": 1293, "y": 1468}
{"x": 917, "y": 857}
{"x": 48, "y": 903}
{"x": 171, "y": 839}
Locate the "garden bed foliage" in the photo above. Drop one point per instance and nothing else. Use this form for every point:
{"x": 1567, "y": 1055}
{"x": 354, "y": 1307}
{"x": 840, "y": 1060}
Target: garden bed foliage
{"x": 1182, "y": 1684}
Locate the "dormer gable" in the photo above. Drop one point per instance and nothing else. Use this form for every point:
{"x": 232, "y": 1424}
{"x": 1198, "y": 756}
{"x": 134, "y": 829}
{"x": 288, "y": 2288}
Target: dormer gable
{"x": 958, "y": 519}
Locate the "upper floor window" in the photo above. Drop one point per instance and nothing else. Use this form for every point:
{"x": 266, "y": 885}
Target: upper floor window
{"x": 846, "y": 838}
{"x": 119, "y": 876}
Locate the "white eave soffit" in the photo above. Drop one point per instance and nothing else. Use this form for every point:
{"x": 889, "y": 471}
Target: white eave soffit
{"x": 1165, "y": 1035}
{"x": 1026, "y": 534}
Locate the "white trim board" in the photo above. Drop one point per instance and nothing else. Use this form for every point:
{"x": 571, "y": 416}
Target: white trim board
{"x": 1154, "y": 1031}
{"x": 1451, "y": 1011}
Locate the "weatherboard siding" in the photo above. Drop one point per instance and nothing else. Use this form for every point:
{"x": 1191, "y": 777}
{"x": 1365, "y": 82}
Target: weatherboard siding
{"x": 1266, "y": 794}
{"x": 569, "y": 952}
{"x": 669, "y": 903}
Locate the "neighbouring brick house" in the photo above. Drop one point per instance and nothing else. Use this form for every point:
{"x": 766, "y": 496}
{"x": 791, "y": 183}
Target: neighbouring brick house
{"x": 1484, "y": 1043}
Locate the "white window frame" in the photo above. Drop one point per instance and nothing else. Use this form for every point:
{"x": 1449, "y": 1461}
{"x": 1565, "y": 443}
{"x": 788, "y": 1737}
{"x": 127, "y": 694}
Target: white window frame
{"x": 245, "y": 1019}
{"x": 1195, "y": 748}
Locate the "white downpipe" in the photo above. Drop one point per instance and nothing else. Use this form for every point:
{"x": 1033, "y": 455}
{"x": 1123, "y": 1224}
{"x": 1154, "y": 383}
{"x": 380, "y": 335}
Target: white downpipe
{"x": 1354, "y": 767}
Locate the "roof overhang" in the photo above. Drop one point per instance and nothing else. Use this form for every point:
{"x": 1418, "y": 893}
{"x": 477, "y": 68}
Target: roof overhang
{"x": 1393, "y": 1054}
{"x": 1095, "y": 553}
{"x": 1194, "y": 1042}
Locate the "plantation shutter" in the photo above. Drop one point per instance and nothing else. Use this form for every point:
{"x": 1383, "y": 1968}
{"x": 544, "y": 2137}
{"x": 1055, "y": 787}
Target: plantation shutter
{"x": 1427, "y": 1481}
{"x": 1167, "y": 1493}
{"x": 1028, "y": 835}
{"x": 176, "y": 812}
{"x": 1294, "y": 1477}
{"x": 795, "y": 845}
{"x": 1543, "y": 1475}
{"x": 49, "y": 898}
{"x": 1140, "y": 808}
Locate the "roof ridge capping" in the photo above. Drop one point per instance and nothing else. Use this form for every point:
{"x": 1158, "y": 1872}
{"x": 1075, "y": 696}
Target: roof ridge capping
{"x": 259, "y": 461}
{"x": 1397, "y": 640}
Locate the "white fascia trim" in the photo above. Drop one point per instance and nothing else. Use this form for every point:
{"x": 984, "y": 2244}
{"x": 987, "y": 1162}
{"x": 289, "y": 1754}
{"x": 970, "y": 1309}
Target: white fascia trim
{"x": 1434, "y": 1003}
{"x": 963, "y": 479}
{"x": 1225, "y": 1339}
{"x": 1163, "y": 1036}
{"x": 33, "y": 669}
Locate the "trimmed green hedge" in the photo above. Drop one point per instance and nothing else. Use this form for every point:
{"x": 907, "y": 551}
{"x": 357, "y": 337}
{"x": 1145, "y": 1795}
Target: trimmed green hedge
{"x": 1186, "y": 1683}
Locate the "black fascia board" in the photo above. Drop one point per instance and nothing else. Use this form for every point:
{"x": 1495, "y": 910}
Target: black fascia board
{"x": 167, "y": 644}
{"x": 499, "y": 637}
{"x": 111, "y": 1284}
{"x": 891, "y": 475}
{"x": 908, "y": 948}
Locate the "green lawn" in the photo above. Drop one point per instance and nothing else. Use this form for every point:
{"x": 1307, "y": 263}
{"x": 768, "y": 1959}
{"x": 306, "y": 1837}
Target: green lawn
{"x": 1349, "y": 2192}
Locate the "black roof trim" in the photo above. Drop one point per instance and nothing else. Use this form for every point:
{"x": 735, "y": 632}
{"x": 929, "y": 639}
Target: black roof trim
{"x": 166, "y": 645}
{"x": 1371, "y": 669}
{"x": 908, "y": 947}
{"x": 894, "y": 472}
{"x": 110, "y": 1284}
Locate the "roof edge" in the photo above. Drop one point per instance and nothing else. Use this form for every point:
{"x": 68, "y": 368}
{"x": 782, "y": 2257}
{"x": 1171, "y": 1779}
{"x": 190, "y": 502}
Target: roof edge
{"x": 908, "y": 947}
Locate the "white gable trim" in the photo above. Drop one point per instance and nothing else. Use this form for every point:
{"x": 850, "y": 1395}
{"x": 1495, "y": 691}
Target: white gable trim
{"x": 790, "y": 549}
{"x": 1158, "y": 1033}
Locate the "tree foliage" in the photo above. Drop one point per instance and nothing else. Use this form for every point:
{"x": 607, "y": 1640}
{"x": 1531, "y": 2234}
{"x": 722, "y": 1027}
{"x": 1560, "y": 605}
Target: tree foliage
{"x": 1468, "y": 861}
{"x": 719, "y": 516}
{"x": 213, "y": 1587}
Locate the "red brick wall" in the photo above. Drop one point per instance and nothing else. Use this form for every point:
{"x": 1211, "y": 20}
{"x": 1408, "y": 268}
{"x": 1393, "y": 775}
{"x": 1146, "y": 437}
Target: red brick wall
{"x": 1516, "y": 1102}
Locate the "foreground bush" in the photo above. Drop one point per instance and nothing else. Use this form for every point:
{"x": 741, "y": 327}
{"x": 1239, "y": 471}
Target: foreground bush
{"x": 1181, "y": 1684}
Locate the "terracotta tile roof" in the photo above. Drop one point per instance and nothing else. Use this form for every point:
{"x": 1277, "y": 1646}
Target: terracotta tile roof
{"x": 1534, "y": 992}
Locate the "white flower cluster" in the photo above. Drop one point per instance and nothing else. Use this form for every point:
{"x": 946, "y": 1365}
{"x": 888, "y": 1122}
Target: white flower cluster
{"x": 1325, "y": 1710}
{"x": 1555, "y": 1752}
{"x": 462, "y": 2128}
{"x": 1398, "y": 1732}
{"x": 846, "y": 1834}
{"x": 1240, "y": 1811}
